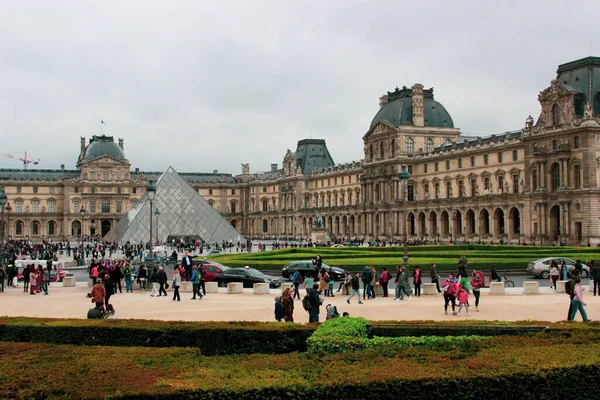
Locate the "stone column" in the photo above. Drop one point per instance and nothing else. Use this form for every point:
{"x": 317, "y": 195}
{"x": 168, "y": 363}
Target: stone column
{"x": 417, "y": 105}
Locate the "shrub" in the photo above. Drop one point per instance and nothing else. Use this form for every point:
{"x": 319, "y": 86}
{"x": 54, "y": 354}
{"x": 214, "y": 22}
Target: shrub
{"x": 211, "y": 338}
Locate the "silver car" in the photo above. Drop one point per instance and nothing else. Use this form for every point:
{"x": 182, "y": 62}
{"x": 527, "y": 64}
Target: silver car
{"x": 541, "y": 268}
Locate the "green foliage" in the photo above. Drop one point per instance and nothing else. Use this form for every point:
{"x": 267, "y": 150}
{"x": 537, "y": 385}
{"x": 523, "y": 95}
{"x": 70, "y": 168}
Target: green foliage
{"x": 339, "y": 335}
{"x": 440, "y": 343}
{"x": 212, "y": 338}
{"x": 506, "y": 257}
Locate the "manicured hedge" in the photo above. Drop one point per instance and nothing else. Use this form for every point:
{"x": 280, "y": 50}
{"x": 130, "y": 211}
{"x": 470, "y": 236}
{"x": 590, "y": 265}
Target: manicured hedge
{"x": 501, "y": 368}
{"x": 211, "y": 338}
{"x": 445, "y": 256}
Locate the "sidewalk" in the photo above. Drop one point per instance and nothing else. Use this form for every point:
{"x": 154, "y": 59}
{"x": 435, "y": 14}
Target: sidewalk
{"x": 71, "y": 302}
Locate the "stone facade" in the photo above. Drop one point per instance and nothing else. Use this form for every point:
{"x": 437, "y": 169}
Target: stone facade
{"x": 535, "y": 184}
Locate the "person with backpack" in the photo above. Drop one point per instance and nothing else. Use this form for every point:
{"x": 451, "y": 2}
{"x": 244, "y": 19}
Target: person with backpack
{"x": 401, "y": 283}
{"x": 296, "y": 281}
{"x": 324, "y": 279}
{"x": 355, "y": 288}
{"x": 449, "y": 287}
{"x": 196, "y": 283}
{"x": 367, "y": 276}
{"x": 312, "y": 303}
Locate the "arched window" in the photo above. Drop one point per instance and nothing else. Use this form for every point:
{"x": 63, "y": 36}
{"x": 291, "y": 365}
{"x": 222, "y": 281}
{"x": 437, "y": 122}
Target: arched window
{"x": 51, "y": 228}
{"x": 371, "y": 152}
{"x": 448, "y": 141}
{"x": 393, "y": 147}
{"x": 555, "y": 171}
{"x": 19, "y": 228}
{"x": 35, "y": 228}
{"x": 429, "y": 144}
{"x": 381, "y": 152}
{"x": 410, "y": 145}
{"x": 377, "y": 192}
{"x": 265, "y": 226}
{"x": 576, "y": 143}
{"x": 555, "y": 114}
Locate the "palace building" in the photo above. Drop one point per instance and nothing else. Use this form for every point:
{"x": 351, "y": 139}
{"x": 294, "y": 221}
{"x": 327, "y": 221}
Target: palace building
{"x": 539, "y": 183}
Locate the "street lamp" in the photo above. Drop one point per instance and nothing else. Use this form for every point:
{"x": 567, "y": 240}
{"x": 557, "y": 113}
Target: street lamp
{"x": 82, "y": 213}
{"x": 2, "y": 203}
{"x": 156, "y": 214}
{"x": 404, "y": 177}
{"x": 454, "y": 231}
{"x": 151, "y": 191}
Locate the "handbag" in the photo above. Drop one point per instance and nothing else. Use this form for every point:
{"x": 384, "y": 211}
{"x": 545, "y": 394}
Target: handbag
{"x": 166, "y": 285}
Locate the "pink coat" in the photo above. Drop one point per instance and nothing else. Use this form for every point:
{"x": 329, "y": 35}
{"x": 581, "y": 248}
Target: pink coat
{"x": 463, "y": 297}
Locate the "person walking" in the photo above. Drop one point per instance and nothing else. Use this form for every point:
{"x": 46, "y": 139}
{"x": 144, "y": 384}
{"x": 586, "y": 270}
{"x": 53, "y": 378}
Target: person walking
{"x": 196, "y": 283}
{"x": 324, "y": 282}
{"x": 142, "y": 277}
{"x": 401, "y": 279}
{"x": 367, "y": 275}
{"x": 94, "y": 273}
{"x": 162, "y": 281}
{"x": 449, "y": 287}
{"x": 315, "y": 304}
{"x": 554, "y": 274}
{"x": 296, "y": 281}
{"x": 202, "y": 278}
{"x": 354, "y": 282}
{"x": 176, "y": 284}
{"x": 288, "y": 305}
{"x": 463, "y": 299}
{"x": 318, "y": 263}
{"x": 116, "y": 275}
{"x": 153, "y": 281}
{"x": 417, "y": 280}
{"x": 571, "y": 292}
{"x": 435, "y": 277}
{"x": 331, "y": 281}
{"x": 186, "y": 263}
{"x": 383, "y": 281}
{"x": 45, "y": 279}
{"x": 577, "y": 302}
{"x": 373, "y": 281}
{"x": 595, "y": 275}
{"x": 109, "y": 289}
{"x": 127, "y": 273}
{"x": 477, "y": 282}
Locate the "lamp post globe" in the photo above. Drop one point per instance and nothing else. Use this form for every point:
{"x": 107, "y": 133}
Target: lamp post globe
{"x": 404, "y": 177}
{"x": 82, "y": 213}
{"x": 151, "y": 192}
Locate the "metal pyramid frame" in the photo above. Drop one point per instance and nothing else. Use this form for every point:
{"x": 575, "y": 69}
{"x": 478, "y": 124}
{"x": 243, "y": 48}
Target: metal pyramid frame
{"x": 183, "y": 213}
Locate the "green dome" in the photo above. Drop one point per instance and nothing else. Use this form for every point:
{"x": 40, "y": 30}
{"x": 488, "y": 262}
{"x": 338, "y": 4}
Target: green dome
{"x": 398, "y": 110}
{"x": 103, "y": 146}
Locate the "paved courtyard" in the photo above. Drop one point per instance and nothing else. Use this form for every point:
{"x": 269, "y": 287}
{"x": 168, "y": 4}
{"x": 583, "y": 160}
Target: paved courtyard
{"x": 71, "y": 302}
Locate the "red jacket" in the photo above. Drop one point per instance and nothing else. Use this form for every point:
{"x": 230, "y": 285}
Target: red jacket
{"x": 478, "y": 280}
{"x": 450, "y": 287}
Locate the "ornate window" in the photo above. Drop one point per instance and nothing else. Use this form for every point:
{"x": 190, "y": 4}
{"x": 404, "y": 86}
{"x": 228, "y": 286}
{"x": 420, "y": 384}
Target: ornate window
{"x": 410, "y": 145}
{"x": 429, "y": 144}
{"x": 19, "y": 228}
{"x": 515, "y": 183}
{"x": 381, "y": 150}
{"x": 485, "y": 159}
{"x": 555, "y": 114}
{"x": 119, "y": 206}
{"x": 393, "y": 148}
{"x": 51, "y": 204}
{"x": 472, "y": 161}
{"x": 424, "y": 168}
{"x": 265, "y": 226}
{"x": 448, "y": 141}
{"x": 555, "y": 172}
{"x": 460, "y": 163}
{"x": 51, "y": 228}
{"x": 534, "y": 180}
{"x": 577, "y": 173}
{"x": 233, "y": 192}
{"x": 105, "y": 205}
{"x": 576, "y": 142}
{"x": 447, "y": 165}
{"x": 410, "y": 192}
{"x": 18, "y": 189}
{"x": 499, "y": 158}
{"x": 75, "y": 206}
{"x": 233, "y": 207}
{"x": 371, "y": 152}
{"x": 515, "y": 155}
{"x": 92, "y": 206}
{"x": 35, "y": 228}
{"x": 436, "y": 167}
{"x": 105, "y": 175}
{"x": 265, "y": 205}
{"x": 135, "y": 190}
{"x": 35, "y": 189}
{"x": 36, "y": 205}
{"x": 19, "y": 206}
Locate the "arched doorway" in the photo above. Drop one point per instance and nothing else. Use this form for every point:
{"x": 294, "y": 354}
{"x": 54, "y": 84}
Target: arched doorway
{"x": 457, "y": 219}
{"x": 35, "y": 228}
{"x": 19, "y": 228}
{"x": 499, "y": 223}
{"x": 352, "y": 227}
{"x": 433, "y": 224}
{"x": 470, "y": 226}
{"x": 555, "y": 228}
{"x": 76, "y": 228}
{"x": 411, "y": 224}
{"x": 484, "y": 222}
{"x": 514, "y": 222}
{"x": 445, "y": 223}
{"x": 105, "y": 226}
{"x": 51, "y": 228}
{"x": 421, "y": 224}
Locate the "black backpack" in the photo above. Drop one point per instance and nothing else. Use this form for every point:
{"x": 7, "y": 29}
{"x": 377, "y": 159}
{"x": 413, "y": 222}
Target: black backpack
{"x": 306, "y": 303}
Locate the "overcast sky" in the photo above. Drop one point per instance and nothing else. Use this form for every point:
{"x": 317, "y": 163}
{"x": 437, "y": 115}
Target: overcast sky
{"x": 202, "y": 85}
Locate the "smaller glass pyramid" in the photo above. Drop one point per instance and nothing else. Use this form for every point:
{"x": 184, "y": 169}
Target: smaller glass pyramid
{"x": 183, "y": 214}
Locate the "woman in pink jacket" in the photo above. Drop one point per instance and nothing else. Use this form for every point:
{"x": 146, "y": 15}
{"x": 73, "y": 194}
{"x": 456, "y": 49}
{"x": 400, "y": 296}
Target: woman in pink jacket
{"x": 577, "y": 301}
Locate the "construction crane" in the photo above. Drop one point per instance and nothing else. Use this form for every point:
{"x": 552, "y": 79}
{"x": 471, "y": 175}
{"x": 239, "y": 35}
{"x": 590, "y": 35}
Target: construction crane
{"x": 26, "y": 161}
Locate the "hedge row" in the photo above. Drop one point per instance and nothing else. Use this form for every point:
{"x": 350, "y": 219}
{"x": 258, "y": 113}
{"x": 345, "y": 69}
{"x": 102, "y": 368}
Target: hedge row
{"x": 211, "y": 338}
{"x": 507, "y": 368}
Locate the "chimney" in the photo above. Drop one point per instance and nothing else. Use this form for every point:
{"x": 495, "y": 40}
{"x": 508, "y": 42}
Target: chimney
{"x": 417, "y": 105}
{"x": 215, "y": 171}
{"x": 62, "y": 167}
{"x": 137, "y": 170}
{"x": 82, "y": 144}
{"x": 121, "y": 145}
{"x": 383, "y": 101}
{"x": 273, "y": 167}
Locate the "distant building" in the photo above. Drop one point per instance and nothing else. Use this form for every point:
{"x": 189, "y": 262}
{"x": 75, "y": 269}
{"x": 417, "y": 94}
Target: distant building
{"x": 538, "y": 183}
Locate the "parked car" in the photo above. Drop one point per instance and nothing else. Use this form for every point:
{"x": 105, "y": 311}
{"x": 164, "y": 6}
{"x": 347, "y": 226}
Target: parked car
{"x": 210, "y": 268}
{"x": 248, "y": 276}
{"x": 307, "y": 268}
{"x": 541, "y": 268}
{"x": 211, "y": 253}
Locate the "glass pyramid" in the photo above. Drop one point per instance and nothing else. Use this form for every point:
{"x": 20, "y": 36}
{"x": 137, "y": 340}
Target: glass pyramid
{"x": 183, "y": 214}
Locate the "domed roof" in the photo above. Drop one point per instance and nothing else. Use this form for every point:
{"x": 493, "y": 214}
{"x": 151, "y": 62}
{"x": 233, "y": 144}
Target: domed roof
{"x": 103, "y": 146}
{"x": 398, "y": 110}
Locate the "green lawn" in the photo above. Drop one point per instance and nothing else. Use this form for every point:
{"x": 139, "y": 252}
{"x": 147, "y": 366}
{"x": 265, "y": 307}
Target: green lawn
{"x": 445, "y": 256}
